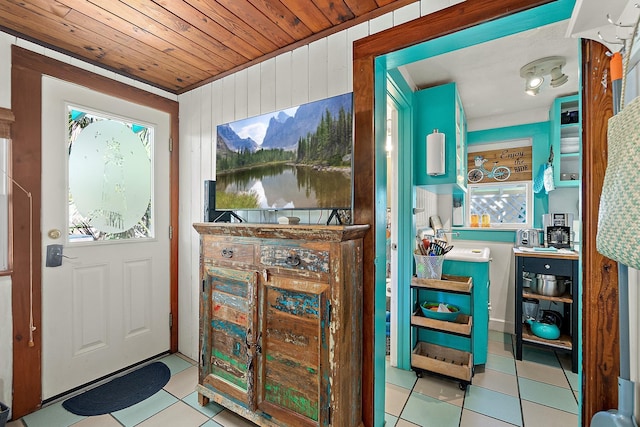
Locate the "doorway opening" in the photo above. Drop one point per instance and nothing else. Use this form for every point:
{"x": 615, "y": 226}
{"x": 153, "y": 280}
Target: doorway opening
{"x": 398, "y": 270}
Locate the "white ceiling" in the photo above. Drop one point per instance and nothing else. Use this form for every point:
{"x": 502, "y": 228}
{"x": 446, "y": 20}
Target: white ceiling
{"x": 488, "y": 74}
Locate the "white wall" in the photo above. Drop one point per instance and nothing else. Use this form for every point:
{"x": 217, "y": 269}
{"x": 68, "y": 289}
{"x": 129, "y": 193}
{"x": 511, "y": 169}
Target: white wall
{"x": 319, "y": 70}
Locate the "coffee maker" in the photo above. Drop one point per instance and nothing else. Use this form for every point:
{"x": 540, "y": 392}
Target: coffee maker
{"x": 558, "y": 231}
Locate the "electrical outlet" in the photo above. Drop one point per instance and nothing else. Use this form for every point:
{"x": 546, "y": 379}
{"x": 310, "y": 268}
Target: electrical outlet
{"x": 54, "y": 256}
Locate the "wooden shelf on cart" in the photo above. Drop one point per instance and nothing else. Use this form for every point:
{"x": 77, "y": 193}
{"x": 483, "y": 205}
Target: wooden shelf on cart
{"x": 442, "y": 360}
{"x": 564, "y": 342}
{"x": 461, "y": 325}
{"x": 461, "y": 284}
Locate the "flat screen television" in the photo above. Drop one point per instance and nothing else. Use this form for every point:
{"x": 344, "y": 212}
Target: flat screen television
{"x": 298, "y": 158}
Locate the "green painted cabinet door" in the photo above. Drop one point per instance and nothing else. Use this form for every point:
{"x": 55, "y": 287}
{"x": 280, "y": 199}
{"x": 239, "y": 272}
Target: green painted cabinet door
{"x": 228, "y": 333}
{"x": 294, "y": 354}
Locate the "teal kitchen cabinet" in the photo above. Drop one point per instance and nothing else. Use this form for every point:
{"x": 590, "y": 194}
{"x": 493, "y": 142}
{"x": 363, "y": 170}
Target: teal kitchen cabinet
{"x": 566, "y": 140}
{"x": 475, "y": 265}
{"x": 440, "y": 108}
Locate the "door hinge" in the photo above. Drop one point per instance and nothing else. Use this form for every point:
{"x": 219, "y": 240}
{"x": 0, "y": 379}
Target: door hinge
{"x": 170, "y": 144}
{"x": 170, "y": 320}
{"x": 329, "y": 415}
{"x": 203, "y": 286}
{"x": 170, "y": 232}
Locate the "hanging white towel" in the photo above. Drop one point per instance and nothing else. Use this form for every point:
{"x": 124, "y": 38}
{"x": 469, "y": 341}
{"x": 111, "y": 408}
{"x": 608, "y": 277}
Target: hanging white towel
{"x": 538, "y": 182}
{"x": 548, "y": 179}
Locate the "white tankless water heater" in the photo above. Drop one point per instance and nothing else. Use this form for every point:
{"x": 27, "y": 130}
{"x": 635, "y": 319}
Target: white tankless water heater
{"x": 435, "y": 153}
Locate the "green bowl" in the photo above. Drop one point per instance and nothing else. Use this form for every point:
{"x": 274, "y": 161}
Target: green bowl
{"x": 432, "y": 314}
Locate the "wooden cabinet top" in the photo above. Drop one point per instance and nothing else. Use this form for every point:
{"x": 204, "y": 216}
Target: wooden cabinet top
{"x": 325, "y": 233}
{"x": 546, "y": 254}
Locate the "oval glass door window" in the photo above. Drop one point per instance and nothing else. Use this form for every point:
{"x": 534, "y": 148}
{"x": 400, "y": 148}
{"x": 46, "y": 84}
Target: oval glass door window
{"x": 110, "y": 176}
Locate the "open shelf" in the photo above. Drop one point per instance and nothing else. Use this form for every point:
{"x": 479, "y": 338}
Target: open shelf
{"x": 442, "y": 360}
{"x": 461, "y": 325}
{"x": 447, "y": 283}
{"x": 566, "y": 297}
{"x": 564, "y": 342}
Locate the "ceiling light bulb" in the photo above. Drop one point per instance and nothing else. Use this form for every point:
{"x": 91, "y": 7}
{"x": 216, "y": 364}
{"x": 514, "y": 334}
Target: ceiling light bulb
{"x": 534, "y": 82}
{"x": 532, "y": 91}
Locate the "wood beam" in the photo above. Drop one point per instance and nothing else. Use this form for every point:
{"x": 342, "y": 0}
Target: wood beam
{"x": 600, "y": 330}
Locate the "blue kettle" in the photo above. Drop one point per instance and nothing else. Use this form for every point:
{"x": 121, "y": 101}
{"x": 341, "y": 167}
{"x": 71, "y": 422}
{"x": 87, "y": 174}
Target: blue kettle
{"x": 544, "y": 330}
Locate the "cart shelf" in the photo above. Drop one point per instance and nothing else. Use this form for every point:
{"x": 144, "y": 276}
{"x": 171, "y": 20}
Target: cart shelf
{"x": 442, "y": 360}
{"x": 461, "y": 325}
{"x": 447, "y": 283}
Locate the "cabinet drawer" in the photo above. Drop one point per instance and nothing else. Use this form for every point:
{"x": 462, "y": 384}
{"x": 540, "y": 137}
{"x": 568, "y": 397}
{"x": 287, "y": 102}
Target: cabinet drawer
{"x": 227, "y": 250}
{"x": 305, "y": 258}
{"x": 559, "y": 267}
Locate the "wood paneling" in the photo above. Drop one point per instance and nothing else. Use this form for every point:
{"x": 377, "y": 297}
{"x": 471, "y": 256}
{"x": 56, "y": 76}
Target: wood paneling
{"x": 26, "y": 77}
{"x": 600, "y": 331}
{"x": 179, "y": 45}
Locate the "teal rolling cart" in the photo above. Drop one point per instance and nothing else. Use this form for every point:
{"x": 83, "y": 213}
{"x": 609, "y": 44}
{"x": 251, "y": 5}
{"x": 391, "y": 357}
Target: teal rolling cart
{"x": 479, "y": 271}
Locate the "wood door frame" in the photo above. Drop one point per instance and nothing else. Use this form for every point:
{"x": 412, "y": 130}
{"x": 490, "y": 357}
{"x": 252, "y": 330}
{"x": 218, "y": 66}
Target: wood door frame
{"x": 598, "y": 391}
{"x": 26, "y": 104}
{"x": 600, "y": 326}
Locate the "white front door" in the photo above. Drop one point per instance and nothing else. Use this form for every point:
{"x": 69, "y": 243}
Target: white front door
{"x": 107, "y": 306}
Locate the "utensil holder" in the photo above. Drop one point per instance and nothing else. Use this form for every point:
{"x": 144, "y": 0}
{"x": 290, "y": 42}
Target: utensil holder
{"x": 428, "y": 267}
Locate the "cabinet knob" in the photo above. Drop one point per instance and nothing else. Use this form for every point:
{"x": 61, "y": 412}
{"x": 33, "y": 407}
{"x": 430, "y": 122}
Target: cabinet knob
{"x": 293, "y": 260}
{"x": 227, "y": 253}
{"x": 547, "y": 266}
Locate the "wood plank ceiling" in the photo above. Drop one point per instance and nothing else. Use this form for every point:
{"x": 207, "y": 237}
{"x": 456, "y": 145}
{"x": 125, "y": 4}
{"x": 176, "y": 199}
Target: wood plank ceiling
{"x": 178, "y": 45}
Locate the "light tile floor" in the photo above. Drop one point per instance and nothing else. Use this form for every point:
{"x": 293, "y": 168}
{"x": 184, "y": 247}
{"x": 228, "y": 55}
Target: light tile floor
{"x": 538, "y": 391}
{"x": 175, "y": 405}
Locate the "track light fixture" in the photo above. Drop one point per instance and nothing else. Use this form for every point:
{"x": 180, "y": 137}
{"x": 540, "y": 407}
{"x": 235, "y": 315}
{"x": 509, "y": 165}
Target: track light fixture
{"x": 534, "y": 73}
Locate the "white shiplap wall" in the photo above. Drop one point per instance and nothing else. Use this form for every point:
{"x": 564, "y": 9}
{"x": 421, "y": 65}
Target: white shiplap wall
{"x": 315, "y": 71}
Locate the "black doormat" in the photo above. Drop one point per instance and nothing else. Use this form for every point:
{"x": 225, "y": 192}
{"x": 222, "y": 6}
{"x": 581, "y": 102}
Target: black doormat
{"x": 121, "y": 392}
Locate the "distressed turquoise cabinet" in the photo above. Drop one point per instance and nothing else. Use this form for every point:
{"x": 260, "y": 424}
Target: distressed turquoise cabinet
{"x": 440, "y": 108}
{"x": 281, "y": 322}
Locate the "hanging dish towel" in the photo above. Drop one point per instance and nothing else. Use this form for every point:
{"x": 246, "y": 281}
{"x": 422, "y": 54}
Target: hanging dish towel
{"x": 538, "y": 182}
{"x": 548, "y": 179}
{"x": 618, "y": 235}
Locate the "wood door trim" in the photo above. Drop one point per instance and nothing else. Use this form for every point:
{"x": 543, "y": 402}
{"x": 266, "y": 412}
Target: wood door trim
{"x": 26, "y": 89}
{"x": 599, "y": 381}
{"x": 600, "y": 328}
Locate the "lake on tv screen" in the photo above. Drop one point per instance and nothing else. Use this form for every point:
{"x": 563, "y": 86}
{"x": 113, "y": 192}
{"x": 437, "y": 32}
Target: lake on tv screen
{"x": 284, "y": 187}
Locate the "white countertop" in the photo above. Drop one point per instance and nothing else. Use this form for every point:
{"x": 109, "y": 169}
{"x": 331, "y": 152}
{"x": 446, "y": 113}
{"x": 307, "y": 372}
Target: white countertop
{"x": 470, "y": 254}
